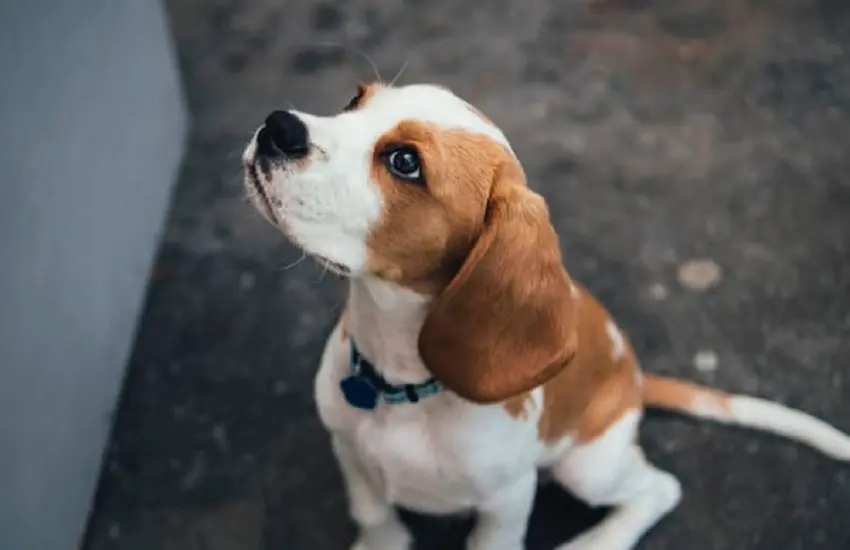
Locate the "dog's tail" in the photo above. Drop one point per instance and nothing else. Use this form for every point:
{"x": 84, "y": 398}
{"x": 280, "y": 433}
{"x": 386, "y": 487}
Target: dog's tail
{"x": 703, "y": 402}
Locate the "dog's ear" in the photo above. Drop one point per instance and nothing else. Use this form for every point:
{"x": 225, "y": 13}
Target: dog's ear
{"x": 506, "y": 322}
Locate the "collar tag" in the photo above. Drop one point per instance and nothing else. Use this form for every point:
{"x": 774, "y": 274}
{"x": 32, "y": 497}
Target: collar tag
{"x": 359, "y": 393}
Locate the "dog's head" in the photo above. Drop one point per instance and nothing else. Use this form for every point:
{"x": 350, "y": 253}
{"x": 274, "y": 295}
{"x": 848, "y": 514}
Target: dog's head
{"x": 415, "y": 186}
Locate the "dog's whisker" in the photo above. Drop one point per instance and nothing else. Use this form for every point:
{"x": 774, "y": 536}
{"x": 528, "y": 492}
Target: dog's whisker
{"x": 401, "y": 70}
{"x": 322, "y": 273}
{"x": 295, "y": 263}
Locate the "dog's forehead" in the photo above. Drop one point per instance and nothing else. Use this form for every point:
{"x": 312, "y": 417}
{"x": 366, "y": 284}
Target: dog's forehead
{"x": 431, "y": 104}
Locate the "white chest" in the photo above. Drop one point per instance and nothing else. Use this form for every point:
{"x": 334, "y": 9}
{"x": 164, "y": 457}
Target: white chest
{"x": 441, "y": 457}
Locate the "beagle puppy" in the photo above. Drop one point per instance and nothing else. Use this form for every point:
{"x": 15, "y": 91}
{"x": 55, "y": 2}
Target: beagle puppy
{"x": 467, "y": 359}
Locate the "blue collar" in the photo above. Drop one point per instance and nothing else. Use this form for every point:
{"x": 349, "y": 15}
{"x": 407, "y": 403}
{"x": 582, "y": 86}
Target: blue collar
{"x": 364, "y": 386}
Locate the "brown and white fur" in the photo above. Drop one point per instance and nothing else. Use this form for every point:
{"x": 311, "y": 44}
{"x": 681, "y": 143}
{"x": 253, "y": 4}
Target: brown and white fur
{"x": 459, "y": 276}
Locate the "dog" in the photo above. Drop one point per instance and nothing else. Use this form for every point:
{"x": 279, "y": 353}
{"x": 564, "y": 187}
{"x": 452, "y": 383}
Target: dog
{"x": 467, "y": 361}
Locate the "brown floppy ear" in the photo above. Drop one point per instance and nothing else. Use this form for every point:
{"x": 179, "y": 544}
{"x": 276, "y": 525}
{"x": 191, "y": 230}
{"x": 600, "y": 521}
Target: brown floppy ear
{"x": 506, "y": 322}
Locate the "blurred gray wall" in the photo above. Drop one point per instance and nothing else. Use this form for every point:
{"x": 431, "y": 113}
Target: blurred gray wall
{"x": 91, "y": 134}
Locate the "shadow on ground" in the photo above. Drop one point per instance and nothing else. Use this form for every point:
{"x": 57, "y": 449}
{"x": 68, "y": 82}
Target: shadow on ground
{"x": 659, "y": 131}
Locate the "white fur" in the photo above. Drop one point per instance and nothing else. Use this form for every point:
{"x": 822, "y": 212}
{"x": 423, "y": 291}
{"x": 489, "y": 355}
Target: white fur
{"x": 781, "y": 420}
{"x": 618, "y": 342}
{"x": 769, "y": 416}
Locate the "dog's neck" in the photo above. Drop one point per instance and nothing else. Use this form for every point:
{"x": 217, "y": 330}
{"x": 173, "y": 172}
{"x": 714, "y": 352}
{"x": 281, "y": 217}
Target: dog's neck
{"x": 384, "y": 319}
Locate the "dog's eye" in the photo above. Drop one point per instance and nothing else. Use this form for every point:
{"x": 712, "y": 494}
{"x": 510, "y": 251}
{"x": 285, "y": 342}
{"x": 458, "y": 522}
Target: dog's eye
{"x": 403, "y": 162}
{"x": 355, "y": 101}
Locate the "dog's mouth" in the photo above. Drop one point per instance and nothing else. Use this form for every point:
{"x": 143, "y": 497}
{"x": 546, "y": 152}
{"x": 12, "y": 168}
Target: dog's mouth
{"x": 265, "y": 202}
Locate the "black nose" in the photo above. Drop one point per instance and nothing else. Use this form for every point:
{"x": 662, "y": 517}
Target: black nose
{"x": 283, "y": 135}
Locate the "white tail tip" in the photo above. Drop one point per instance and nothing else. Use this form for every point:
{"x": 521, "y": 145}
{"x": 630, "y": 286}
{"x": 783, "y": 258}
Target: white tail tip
{"x": 784, "y": 421}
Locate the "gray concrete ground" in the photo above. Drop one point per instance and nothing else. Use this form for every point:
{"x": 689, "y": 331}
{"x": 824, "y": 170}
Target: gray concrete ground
{"x": 659, "y": 131}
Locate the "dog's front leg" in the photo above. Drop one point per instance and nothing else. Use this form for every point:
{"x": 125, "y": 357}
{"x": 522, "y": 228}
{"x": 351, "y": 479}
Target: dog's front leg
{"x": 503, "y": 519}
{"x": 379, "y": 526}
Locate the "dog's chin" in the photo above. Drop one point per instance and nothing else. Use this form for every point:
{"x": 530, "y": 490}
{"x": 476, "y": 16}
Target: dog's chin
{"x": 326, "y": 263}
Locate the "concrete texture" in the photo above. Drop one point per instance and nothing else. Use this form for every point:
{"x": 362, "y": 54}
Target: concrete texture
{"x": 92, "y": 127}
{"x": 660, "y": 132}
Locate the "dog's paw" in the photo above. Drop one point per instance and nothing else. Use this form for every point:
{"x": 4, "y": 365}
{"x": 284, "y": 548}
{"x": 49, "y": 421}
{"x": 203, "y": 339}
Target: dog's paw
{"x": 594, "y": 540}
{"x": 487, "y": 540}
{"x": 478, "y": 545}
{"x": 392, "y": 535}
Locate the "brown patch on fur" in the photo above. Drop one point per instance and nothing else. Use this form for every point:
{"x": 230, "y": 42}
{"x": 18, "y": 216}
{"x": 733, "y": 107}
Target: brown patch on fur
{"x": 505, "y": 323}
{"x": 596, "y": 389}
{"x": 678, "y": 395}
{"x": 517, "y": 406}
{"x": 363, "y": 95}
{"x": 478, "y": 239}
{"x": 427, "y": 230}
